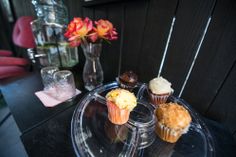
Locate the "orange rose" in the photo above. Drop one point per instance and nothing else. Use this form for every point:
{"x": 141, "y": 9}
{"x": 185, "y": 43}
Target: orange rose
{"x": 82, "y": 30}
{"x": 105, "y": 30}
{"x": 75, "y": 43}
{"x": 78, "y": 29}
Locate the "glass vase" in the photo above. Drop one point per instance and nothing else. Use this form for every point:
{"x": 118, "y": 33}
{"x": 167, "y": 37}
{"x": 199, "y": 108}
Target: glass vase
{"x": 92, "y": 72}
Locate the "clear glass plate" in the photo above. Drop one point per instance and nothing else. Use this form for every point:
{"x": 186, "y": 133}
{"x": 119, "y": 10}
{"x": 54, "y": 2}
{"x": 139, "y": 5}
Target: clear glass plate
{"x": 94, "y": 135}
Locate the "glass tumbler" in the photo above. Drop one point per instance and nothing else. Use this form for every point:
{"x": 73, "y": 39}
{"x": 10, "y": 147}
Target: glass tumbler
{"x": 65, "y": 85}
{"x": 47, "y": 74}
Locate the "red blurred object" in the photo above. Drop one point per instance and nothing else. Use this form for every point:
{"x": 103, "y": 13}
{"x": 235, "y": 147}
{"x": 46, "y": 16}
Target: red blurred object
{"x": 22, "y": 33}
{"x": 22, "y": 36}
{"x": 9, "y": 71}
{"x": 13, "y": 61}
{"x": 5, "y": 53}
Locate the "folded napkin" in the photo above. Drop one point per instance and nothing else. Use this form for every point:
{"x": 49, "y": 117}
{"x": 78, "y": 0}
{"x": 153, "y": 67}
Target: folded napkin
{"x": 49, "y": 101}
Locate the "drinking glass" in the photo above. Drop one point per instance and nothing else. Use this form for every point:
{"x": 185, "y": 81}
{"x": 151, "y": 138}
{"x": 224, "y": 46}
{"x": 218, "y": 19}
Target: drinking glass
{"x": 65, "y": 85}
{"x": 47, "y": 74}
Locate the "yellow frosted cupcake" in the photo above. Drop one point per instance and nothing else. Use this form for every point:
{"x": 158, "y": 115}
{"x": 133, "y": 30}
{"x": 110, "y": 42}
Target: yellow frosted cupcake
{"x": 173, "y": 120}
{"x": 120, "y": 103}
{"x": 159, "y": 90}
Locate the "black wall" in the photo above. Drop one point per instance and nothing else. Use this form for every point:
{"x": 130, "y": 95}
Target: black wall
{"x": 144, "y": 26}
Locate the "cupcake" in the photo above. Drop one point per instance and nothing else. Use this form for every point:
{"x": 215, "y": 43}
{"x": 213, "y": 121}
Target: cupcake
{"x": 128, "y": 80}
{"x": 173, "y": 120}
{"x": 159, "y": 90}
{"x": 120, "y": 103}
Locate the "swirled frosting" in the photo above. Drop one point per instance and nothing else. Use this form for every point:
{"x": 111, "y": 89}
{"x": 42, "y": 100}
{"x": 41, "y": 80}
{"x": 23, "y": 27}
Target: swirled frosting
{"x": 159, "y": 85}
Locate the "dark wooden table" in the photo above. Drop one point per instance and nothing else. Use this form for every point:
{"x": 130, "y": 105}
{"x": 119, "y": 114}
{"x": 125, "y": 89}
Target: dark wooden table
{"x": 46, "y": 131}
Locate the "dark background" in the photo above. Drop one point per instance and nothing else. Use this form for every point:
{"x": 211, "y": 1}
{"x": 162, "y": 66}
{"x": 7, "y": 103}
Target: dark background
{"x": 143, "y": 27}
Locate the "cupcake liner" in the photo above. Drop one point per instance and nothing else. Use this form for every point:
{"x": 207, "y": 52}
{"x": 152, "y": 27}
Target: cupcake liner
{"x": 158, "y": 99}
{"x": 169, "y": 135}
{"x": 126, "y": 86}
{"x": 117, "y": 115}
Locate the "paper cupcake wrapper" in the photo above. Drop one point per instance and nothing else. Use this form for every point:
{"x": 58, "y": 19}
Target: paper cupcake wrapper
{"x": 126, "y": 86}
{"x": 158, "y": 99}
{"x": 117, "y": 115}
{"x": 169, "y": 135}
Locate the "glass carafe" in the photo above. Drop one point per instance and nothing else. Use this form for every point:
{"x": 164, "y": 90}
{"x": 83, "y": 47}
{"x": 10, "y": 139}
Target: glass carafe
{"x": 49, "y": 30}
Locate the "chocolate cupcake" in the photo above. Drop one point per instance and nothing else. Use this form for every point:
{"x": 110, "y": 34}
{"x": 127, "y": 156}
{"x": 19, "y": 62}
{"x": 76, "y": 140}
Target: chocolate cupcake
{"x": 173, "y": 120}
{"x": 128, "y": 80}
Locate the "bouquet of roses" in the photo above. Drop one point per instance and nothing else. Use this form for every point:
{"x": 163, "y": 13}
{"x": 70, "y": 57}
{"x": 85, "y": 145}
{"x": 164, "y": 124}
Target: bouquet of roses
{"x": 82, "y": 31}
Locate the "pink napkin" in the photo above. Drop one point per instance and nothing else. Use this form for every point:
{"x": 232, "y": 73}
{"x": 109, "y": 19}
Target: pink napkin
{"x": 49, "y": 101}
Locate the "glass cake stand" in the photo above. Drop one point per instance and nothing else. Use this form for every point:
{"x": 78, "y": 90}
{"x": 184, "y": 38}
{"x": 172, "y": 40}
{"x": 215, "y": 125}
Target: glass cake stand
{"x": 93, "y": 135}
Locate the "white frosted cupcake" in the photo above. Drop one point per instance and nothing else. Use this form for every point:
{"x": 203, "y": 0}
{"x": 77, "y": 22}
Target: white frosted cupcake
{"x": 159, "y": 90}
{"x": 120, "y": 103}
